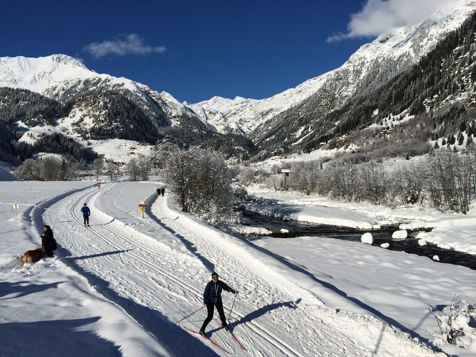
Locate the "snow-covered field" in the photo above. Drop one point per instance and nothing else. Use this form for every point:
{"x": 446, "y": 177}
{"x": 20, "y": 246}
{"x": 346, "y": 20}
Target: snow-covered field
{"x": 117, "y": 287}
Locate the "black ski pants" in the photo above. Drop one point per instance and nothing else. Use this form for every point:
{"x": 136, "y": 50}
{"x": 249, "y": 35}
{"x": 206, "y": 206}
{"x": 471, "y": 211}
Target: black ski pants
{"x": 86, "y": 220}
{"x": 210, "y": 309}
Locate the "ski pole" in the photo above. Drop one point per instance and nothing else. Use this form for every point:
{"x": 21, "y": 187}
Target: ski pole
{"x": 233, "y": 304}
{"x": 190, "y": 314}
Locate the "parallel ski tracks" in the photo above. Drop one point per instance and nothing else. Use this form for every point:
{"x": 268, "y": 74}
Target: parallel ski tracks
{"x": 117, "y": 232}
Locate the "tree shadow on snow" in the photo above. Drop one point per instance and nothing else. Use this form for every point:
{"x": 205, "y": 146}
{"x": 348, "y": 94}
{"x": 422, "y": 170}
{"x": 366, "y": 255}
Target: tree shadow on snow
{"x": 54, "y": 338}
{"x": 342, "y": 293}
{"x": 20, "y": 289}
{"x": 189, "y": 245}
{"x": 171, "y": 336}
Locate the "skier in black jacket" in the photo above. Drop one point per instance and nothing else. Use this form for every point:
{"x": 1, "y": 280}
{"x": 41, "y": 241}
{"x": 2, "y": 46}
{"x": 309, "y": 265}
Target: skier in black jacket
{"x": 212, "y": 298}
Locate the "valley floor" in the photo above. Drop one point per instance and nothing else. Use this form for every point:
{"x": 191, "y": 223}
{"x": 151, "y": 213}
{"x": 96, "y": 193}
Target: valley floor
{"x": 117, "y": 287}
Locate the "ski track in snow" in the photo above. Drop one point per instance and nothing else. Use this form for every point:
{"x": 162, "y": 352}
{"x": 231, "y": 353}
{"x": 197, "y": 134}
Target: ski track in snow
{"x": 162, "y": 263}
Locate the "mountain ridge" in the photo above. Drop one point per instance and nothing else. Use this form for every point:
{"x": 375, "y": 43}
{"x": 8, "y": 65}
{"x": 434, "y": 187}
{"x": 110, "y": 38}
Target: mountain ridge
{"x": 391, "y": 46}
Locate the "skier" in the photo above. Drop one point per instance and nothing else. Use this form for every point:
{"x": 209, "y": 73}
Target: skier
{"x": 86, "y": 213}
{"x": 47, "y": 241}
{"x": 162, "y": 190}
{"x": 212, "y": 299}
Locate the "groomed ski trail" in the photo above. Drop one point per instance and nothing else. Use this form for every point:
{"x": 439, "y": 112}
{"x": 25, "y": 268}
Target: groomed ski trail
{"x": 162, "y": 264}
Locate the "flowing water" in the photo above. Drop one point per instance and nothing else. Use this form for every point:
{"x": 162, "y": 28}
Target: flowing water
{"x": 383, "y": 235}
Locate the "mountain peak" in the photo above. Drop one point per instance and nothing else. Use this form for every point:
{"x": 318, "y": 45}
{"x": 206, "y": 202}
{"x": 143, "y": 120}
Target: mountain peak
{"x": 66, "y": 60}
{"x": 38, "y": 74}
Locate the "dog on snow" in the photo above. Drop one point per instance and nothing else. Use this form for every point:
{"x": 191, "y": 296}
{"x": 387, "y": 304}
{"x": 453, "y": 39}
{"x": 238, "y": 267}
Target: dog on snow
{"x": 32, "y": 256}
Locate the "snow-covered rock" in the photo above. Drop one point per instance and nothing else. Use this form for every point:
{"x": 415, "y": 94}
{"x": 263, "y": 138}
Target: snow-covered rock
{"x": 367, "y": 238}
{"x": 250, "y": 230}
{"x": 385, "y": 245}
{"x": 436, "y": 258}
{"x": 401, "y": 234}
{"x": 422, "y": 235}
{"x": 422, "y": 242}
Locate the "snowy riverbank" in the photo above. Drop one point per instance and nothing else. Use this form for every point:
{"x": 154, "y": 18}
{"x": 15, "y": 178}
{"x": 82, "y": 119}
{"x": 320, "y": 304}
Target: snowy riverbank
{"x": 449, "y": 230}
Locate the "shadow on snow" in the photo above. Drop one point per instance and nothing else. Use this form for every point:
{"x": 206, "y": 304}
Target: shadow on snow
{"x": 55, "y": 338}
{"x": 189, "y": 245}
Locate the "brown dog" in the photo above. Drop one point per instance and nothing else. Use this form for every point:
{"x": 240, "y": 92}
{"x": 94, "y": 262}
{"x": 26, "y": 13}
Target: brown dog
{"x": 32, "y": 256}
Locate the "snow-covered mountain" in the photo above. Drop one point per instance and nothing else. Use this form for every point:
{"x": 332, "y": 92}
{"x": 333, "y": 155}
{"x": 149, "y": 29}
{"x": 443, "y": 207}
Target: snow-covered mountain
{"x": 371, "y": 65}
{"x": 242, "y": 115}
{"x": 60, "y": 77}
{"x": 58, "y": 94}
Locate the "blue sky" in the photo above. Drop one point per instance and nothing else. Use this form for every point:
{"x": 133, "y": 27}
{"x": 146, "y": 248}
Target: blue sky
{"x": 198, "y": 49}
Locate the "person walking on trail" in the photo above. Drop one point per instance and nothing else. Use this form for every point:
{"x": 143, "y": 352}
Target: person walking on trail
{"x": 212, "y": 299}
{"x": 86, "y": 213}
{"x": 162, "y": 190}
{"x": 48, "y": 242}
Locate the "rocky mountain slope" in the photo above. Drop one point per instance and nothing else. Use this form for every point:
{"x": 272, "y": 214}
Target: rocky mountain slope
{"x": 60, "y": 92}
{"x": 288, "y": 118}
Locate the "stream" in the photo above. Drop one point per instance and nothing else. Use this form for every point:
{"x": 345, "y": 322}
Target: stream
{"x": 383, "y": 235}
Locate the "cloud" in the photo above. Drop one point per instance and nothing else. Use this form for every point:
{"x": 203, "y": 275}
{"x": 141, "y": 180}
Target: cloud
{"x": 123, "y": 45}
{"x": 379, "y": 16}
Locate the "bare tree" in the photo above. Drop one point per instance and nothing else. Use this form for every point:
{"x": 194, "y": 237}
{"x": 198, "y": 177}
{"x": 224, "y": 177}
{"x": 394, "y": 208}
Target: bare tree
{"x": 112, "y": 170}
{"x": 98, "y": 165}
{"x": 201, "y": 182}
{"x": 451, "y": 180}
{"x": 132, "y": 169}
{"x": 144, "y": 168}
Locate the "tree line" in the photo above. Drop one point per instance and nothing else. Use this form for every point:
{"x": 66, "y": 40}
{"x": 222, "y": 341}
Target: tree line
{"x": 445, "y": 180}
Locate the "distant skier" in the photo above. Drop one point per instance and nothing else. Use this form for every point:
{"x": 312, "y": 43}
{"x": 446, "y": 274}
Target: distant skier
{"x": 162, "y": 190}
{"x": 48, "y": 242}
{"x": 212, "y": 299}
{"x": 86, "y": 213}
{"x": 158, "y": 191}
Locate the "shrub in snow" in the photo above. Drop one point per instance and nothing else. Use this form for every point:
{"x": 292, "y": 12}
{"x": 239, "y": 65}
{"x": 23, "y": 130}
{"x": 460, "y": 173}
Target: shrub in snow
{"x": 401, "y": 234}
{"x": 421, "y": 242}
{"x": 436, "y": 258}
{"x": 201, "y": 183}
{"x": 385, "y": 245}
{"x": 45, "y": 169}
{"x": 367, "y": 238}
{"x": 450, "y": 180}
{"x": 457, "y": 324}
{"x": 407, "y": 184}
